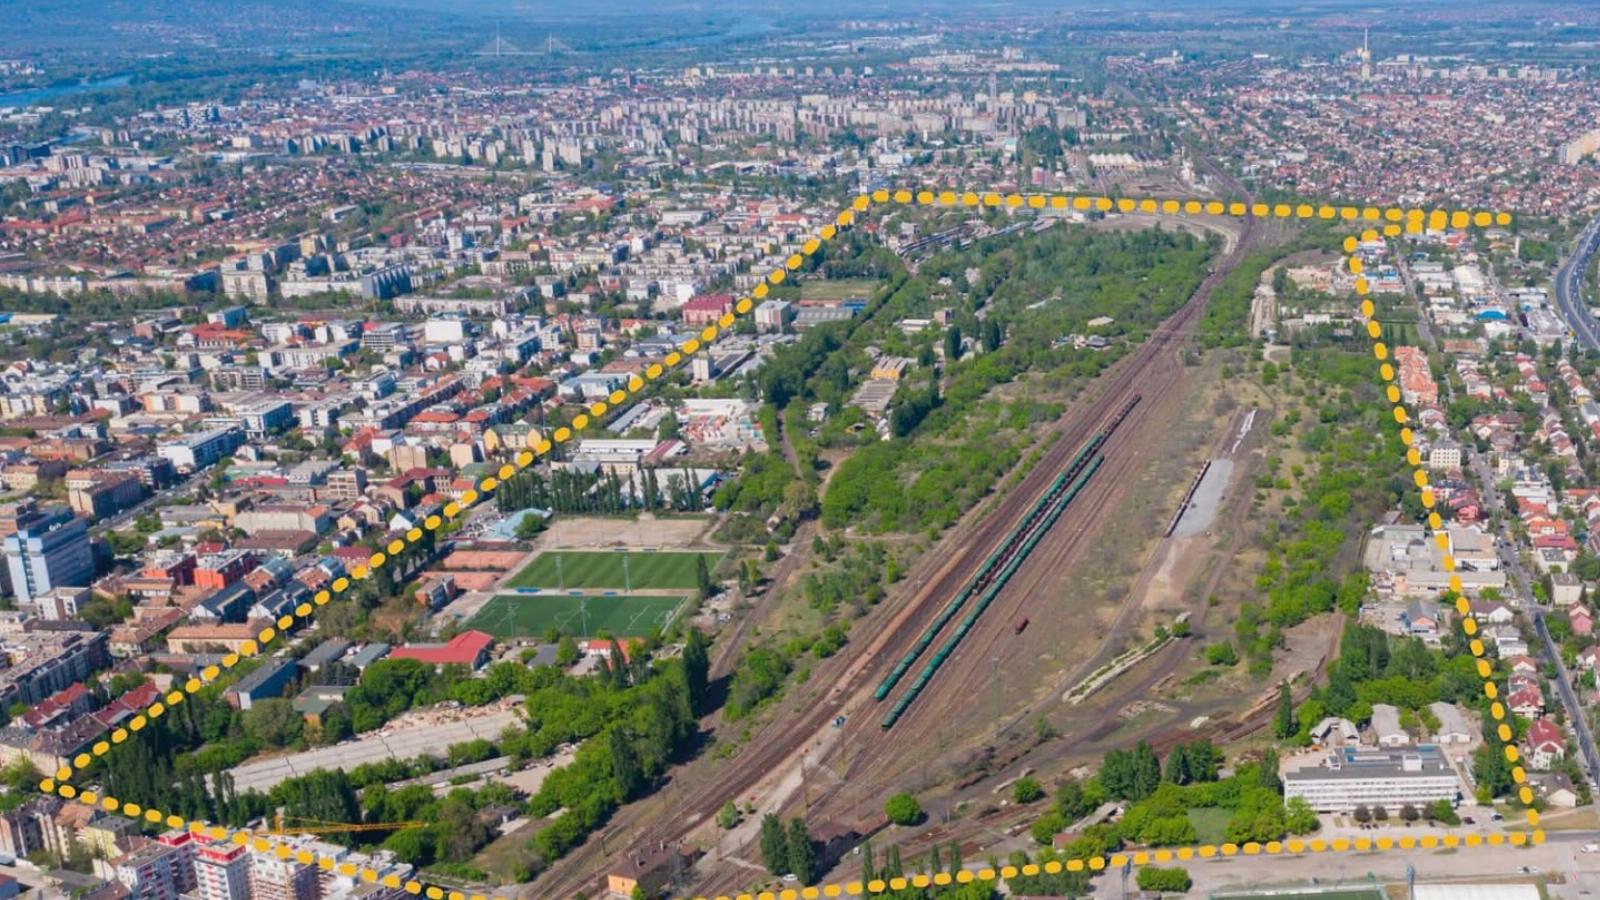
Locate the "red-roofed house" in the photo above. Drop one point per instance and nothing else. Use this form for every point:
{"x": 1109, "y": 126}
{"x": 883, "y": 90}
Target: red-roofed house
{"x": 469, "y": 648}
{"x": 73, "y": 701}
{"x": 602, "y": 648}
{"x": 1528, "y": 702}
{"x": 1545, "y": 745}
{"x": 1581, "y": 619}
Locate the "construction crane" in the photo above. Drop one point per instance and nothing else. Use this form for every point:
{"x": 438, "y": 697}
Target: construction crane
{"x": 317, "y": 826}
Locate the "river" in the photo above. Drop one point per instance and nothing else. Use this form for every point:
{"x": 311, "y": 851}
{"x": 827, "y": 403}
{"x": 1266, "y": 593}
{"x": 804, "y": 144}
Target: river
{"x": 36, "y": 95}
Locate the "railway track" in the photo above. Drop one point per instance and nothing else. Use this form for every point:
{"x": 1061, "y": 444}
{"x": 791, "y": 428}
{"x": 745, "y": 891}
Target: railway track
{"x": 998, "y": 569}
{"x": 842, "y": 685}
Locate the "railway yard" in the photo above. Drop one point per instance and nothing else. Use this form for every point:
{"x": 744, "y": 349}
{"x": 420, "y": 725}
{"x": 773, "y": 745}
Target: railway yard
{"x": 988, "y": 641}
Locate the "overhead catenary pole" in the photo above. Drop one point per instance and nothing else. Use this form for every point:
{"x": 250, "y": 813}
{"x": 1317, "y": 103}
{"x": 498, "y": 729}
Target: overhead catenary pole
{"x": 994, "y": 671}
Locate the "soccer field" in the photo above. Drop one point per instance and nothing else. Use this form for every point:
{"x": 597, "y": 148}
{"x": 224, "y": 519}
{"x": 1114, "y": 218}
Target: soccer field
{"x": 838, "y": 288}
{"x": 566, "y": 569}
{"x": 530, "y": 615}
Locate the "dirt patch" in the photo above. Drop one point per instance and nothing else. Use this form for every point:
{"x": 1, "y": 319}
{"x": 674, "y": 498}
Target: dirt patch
{"x": 647, "y": 531}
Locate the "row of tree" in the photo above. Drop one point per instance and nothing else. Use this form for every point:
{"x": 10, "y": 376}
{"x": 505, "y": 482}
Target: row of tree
{"x": 599, "y": 493}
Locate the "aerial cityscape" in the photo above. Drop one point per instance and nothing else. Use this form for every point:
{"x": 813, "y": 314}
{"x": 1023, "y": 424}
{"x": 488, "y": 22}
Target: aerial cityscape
{"x": 939, "y": 451}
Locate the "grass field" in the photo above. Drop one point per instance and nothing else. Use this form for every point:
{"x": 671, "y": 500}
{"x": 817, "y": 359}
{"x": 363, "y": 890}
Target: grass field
{"x": 837, "y": 289}
{"x": 1209, "y": 823}
{"x": 604, "y": 569}
{"x": 531, "y": 615}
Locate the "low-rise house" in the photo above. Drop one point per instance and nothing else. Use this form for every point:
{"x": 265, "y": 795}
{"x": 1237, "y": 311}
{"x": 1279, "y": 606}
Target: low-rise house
{"x": 1581, "y": 620}
{"x": 1453, "y": 727}
{"x": 1333, "y": 731}
{"x": 1422, "y": 619}
{"x": 1545, "y": 745}
{"x": 1386, "y": 729}
{"x": 469, "y": 648}
{"x": 1526, "y": 702}
{"x": 268, "y": 681}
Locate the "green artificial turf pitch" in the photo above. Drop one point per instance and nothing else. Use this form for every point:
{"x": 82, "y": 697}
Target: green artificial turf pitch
{"x": 604, "y": 569}
{"x": 617, "y": 615}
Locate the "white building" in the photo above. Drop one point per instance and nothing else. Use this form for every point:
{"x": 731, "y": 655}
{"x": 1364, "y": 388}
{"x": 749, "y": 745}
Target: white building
{"x": 1386, "y": 729}
{"x": 1444, "y": 455}
{"x": 222, "y": 872}
{"x": 1453, "y": 727}
{"x": 193, "y": 452}
{"x": 1387, "y": 778}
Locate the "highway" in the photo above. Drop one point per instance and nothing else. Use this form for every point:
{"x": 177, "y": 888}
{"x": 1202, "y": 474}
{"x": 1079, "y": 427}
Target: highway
{"x": 1569, "y": 280}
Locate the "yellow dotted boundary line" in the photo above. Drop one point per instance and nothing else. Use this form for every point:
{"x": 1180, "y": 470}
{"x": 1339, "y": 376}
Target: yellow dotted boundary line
{"x": 1419, "y": 475}
{"x": 1115, "y": 861}
{"x": 1397, "y": 220}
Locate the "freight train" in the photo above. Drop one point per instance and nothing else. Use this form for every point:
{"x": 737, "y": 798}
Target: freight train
{"x": 998, "y": 568}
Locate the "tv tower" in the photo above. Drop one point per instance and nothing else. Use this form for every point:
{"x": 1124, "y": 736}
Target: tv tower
{"x": 1366, "y": 57}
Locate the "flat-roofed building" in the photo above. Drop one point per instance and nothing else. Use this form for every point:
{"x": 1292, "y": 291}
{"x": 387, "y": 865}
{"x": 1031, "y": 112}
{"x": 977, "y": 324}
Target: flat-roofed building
{"x": 222, "y": 872}
{"x": 1352, "y": 777}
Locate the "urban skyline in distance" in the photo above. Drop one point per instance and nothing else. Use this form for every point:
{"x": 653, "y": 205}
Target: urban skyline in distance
{"x": 698, "y": 450}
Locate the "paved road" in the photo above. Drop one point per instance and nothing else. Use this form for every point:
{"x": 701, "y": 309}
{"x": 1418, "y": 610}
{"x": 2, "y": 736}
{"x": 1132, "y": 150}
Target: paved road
{"x": 1561, "y": 855}
{"x": 1575, "y": 713}
{"x": 1510, "y": 560}
{"x": 1569, "y": 280}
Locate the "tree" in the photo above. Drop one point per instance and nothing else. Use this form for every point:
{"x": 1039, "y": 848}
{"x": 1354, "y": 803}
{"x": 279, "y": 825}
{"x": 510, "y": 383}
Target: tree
{"x": 1173, "y": 880}
{"x": 1299, "y": 817}
{"x": 1026, "y": 790}
{"x": 566, "y": 651}
{"x": 702, "y": 576}
{"x": 891, "y": 864}
{"x": 1442, "y": 812}
{"x": 1178, "y": 765}
{"x": 1285, "y": 725}
{"x": 1361, "y": 813}
{"x": 952, "y": 344}
{"x": 696, "y": 669}
{"x": 667, "y": 428}
{"x": 1146, "y": 771}
{"x": 727, "y": 816}
{"x": 1267, "y": 775}
{"x": 1116, "y": 774}
{"x": 1045, "y": 828}
{"x": 991, "y": 335}
{"x": 273, "y": 722}
{"x": 411, "y": 845}
{"x": 1409, "y": 813}
{"x": 903, "y": 809}
{"x": 529, "y": 526}
{"x": 774, "y": 845}
{"x": 802, "y": 858}
{"x": 625, "y": 769}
